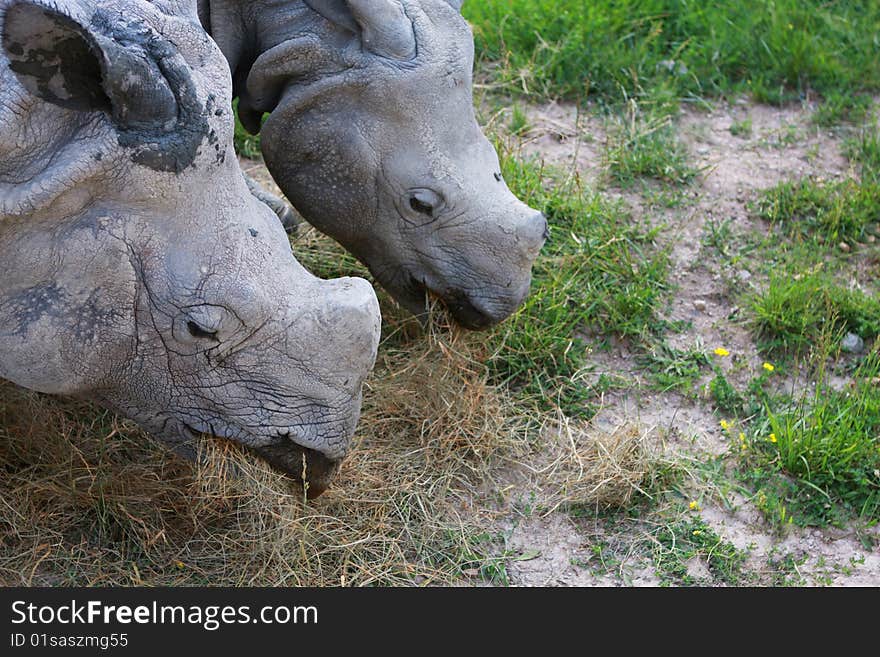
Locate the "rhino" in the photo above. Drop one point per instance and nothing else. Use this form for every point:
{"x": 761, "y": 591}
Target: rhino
{"x": 136, "y": 268}
{"x": 373, "y": 138}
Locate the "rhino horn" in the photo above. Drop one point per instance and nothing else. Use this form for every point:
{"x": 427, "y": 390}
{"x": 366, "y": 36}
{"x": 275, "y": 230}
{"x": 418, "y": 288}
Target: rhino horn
{"x": 383, "y": 25}
{"x": 74, "y": 61}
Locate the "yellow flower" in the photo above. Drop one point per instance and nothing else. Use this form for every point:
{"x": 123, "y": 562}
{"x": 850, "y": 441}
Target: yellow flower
{"x": 697, "y": 532}
{"x": 743, "y": 446}
{"x": 180, "y": 564}
{"x": 769, "y": 367}
{"x": 721, "y": 351}
{"x": 726, "y": 425}
{"x": 772, "y": 437}
{"x": 742, "y": 437}
{"x": 694, "y": 506}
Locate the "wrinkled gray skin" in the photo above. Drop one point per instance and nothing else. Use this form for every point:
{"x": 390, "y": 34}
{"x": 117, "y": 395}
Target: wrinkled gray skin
{"x": 373, "y": 138}
{"x": 136, "y": 269}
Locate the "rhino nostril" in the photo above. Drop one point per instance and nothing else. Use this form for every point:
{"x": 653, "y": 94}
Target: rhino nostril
{"x": 534, "y": 231}
{"x": 545, "y": 227}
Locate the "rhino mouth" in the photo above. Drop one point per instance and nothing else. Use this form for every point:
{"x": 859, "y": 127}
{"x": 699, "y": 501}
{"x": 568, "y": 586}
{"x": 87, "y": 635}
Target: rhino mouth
{"x": 457, "y": 303}
{"x": 308, "y": 467}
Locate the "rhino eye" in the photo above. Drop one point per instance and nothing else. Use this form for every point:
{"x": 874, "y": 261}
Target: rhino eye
{"x": 425, "y": 201}
{"x": 198, "y": 332}
{"x": 421, "y": 206}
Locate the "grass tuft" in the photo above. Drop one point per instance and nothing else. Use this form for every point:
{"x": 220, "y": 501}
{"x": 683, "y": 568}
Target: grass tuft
{"x": 645, "y": 145}
{"x": 815, "y": 459}
{"x": 836, "y": 211}
{"x": 795, "y": 311}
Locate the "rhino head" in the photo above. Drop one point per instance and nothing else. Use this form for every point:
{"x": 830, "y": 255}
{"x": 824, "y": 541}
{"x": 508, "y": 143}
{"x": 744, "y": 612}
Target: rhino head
{"x": 136, "y": 269}
{"x": 373, "y": 138}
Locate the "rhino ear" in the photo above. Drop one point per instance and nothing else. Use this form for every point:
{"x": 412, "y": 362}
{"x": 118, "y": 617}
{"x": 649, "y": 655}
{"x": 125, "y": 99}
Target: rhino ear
{"x": 383, "y": 25}
{"x": 68, "y": 61}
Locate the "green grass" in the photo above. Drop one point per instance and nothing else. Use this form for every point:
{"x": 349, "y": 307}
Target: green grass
{"x": 645, "y": 145}
{"x": 600, "y": 270}
{"x": 674, "y": 369}
{"x": 687, "y": 540}
{"x": 841, "y": 107}
{"x": 797, "y": 309}
{"x": 815, "y": 459}
{"x": 742, "y": 128}
{"x": 776, "y": 49}
{"x": 836, "y": 211}
{"x": 864, "y": 150}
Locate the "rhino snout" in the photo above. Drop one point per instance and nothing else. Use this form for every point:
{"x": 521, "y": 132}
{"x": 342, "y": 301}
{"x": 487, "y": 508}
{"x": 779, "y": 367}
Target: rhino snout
{"x": 531, "y": 234}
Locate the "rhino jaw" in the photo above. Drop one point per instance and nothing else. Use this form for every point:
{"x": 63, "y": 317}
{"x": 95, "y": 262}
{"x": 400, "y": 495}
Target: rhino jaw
{"x": 307, "y": 466}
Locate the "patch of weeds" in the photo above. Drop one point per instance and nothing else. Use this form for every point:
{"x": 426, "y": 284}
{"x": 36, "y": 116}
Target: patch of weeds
{"x": 840, "y": 107}
{"x": 718, "y": 235}
{"x": 836, "y": 211}
{"x": 742, "y": 128}
{"x": 815, "y": 460}
{"x": 736, "y": 403}
{"x": 796, "y": 310}
{"x": 646, "y": 145}
{"x": 674, "y": 369}
{"x": 864, "y": 150}
{"x": 725, "y": 396}
{"x": 785, "y": 570}
{"x": 690, "y": 539}
{"x": 600, "y": 270}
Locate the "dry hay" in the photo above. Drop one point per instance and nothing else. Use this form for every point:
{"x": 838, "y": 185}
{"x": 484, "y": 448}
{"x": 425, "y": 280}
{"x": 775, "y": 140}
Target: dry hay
{"x": 88, "y": 499}
{"x": 601, "y": 468}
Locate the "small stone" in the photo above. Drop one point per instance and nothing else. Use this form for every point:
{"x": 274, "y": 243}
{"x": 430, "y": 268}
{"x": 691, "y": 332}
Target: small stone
{"x": 700, "y": 305}
{"x": 871, "y": 239}
{"x": 843, "y": 246}
{"x": 852, "y": 343}
{"x": 743, "y": 275}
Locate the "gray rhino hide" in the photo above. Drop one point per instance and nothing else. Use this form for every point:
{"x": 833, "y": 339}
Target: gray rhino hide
{"x": 136, "y": 269}
{"x": 373, "y": 138}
